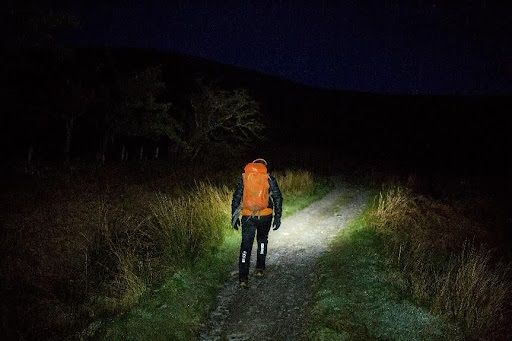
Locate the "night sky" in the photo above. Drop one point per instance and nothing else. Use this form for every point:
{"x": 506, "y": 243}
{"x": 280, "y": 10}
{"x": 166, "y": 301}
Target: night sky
{"x": 373, "y": 46}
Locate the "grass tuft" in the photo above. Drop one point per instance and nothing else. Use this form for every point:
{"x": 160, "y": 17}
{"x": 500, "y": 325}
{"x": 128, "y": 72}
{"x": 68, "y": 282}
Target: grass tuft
{"x": 184, "y": 227}
{"x": 295, "y": 183}
{"x": 473, "y": 290}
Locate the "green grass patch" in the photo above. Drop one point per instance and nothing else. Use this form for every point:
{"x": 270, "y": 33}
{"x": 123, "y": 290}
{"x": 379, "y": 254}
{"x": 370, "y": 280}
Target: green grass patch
{"x": 176, "y": 309}
{"x": 357, "y": 297}
{"x": 294, "y": 202}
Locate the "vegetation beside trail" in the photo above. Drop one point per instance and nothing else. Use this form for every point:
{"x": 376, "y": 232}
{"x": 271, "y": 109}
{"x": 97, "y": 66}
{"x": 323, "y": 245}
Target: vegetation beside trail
{"x": 300, "y": 188}
{"x": 76, "y": 256}
{"x": 444, "y": 261}
{"x": 410, "y": 267}
{"x": 196, "y": 233}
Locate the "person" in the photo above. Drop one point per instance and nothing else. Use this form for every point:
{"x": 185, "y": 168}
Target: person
{"x": 256, "y": 207}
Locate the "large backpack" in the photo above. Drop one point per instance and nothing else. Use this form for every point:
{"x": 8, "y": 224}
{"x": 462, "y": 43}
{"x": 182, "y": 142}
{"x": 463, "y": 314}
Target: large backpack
{"x": 256, "y": 190}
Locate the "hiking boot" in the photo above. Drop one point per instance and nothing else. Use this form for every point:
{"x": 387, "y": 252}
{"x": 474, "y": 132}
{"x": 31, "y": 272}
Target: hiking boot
{"x": 259, "y": 273}
{"x": 244, "y": 284}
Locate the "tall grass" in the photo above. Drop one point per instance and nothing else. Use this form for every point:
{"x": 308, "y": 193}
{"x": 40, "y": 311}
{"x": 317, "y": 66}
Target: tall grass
{"x": 185, "y": 231}
{"x": 473, "y": 290}
{"x": 295, "y": 183}
{"x": 299, "y": 188}
{"x": 174, "y": 231}
{"x": 169, "y": 232}
{"x": 95, "y": 248}
{"x": 185, "y": 226}
{"x": 443, "y": 260}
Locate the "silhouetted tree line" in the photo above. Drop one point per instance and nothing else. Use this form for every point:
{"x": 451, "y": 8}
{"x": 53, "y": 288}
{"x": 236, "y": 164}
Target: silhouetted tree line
{"x": 63, "y": 102}
{"x": 53, "y": 100}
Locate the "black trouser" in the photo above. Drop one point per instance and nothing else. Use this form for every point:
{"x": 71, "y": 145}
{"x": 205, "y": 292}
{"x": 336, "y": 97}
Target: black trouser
{"x": 251, "y": 226}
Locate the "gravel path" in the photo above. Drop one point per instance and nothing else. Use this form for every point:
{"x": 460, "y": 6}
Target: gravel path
{"x": 273, "y": 307}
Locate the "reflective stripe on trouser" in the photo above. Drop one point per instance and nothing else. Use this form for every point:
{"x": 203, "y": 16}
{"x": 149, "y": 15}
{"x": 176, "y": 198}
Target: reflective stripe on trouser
{"x": 251, "y": 226}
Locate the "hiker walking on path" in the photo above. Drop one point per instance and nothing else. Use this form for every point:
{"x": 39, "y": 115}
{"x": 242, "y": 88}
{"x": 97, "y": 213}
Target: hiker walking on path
{"x": 256, "y": 200}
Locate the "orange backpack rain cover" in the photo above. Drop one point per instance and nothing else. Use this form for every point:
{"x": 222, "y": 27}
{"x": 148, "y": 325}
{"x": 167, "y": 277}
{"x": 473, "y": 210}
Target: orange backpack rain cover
{"x": 256, "y": 188}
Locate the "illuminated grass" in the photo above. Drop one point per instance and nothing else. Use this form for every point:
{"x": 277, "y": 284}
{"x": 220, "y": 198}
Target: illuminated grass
{"x": 299, "y": 189}
{"x": 179, "y": 306}
{"x": 357, "y": 298}
{"x": 295, "y": 183}
{"x": 405, "y": 270}
{"x": 440, "y": 263}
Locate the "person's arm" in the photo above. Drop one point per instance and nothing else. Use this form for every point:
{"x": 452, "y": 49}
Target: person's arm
{"x": 235, "y": 203}
{"x": 277, "y": 200}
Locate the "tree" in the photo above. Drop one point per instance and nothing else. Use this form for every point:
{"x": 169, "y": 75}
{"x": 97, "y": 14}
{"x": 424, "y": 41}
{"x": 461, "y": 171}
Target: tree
{"x": 72, "y": 101}
{"x": 227, "y": 117}
{"x": 133, "y": 108}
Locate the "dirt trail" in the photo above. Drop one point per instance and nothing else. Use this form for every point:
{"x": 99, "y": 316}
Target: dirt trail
{"x": 273, "y": 307}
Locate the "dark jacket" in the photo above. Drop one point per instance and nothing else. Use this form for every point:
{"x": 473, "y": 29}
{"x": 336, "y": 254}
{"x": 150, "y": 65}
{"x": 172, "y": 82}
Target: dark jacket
{"x": 275, "y": 201}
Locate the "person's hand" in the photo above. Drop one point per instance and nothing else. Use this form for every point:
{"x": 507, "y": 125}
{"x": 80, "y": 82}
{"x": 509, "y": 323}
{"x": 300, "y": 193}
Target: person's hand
{"x": 236, "y": 223}
{"x": 276, "y": 224}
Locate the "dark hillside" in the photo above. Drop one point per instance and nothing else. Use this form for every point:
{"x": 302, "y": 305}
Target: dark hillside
{"x": 461, "y": 133}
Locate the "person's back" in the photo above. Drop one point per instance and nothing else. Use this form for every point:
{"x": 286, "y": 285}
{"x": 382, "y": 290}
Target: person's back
{"x": 256, "y": 206}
